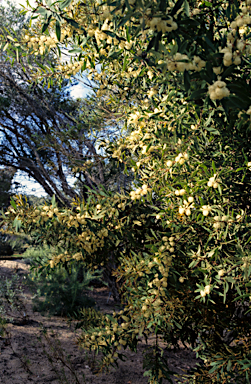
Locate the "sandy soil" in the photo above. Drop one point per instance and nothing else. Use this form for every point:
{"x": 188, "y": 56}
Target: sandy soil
{"x": 44, "y": 350}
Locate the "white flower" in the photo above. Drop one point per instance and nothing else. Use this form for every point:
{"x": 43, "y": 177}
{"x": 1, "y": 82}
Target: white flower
{"x": 181, "y": 279}
{"x": 218, "y": 90}
{"x": 205, "y": 210}
{"x": 217, "y": 225}
{"x": 207, "y": 289}
{"x": 188, "y": 211}
{"x": 144, "y": 149}
{"x": 181, "y": 210}
{"x": 221, "y": 272}
{"x": 202, "y": 293}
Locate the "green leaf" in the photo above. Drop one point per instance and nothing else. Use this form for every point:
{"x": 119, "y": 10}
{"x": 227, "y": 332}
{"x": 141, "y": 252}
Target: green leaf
{"x": 209, "y": 43}
{"x": 214, "y": 368}
{"x": 124, "y": 63}
{"x": 46, "y": 25}
{"x": 58, "y": 30}
{"x": 162, "y": 5}
{"x": 208, "y": 4}
{"x": 72, "y": 22}
{"x": 228, "y": 72}
{"x": 64, "y": 4}
{"x": 75, "y": 50}
{"x": 5, "y": 47}
{"x": 125, "y": 19}
{"x": 189, "y": 23}
{"x": 198, "y": 94}
{"x": 151, "y": 43}
{"x": 186, "y": 8}
{"x": 186, "y": 80}
{"x": 177, "y": 6}
{"x": 237, "y": 102}
{"x": 53, "y": 201}
{"x": 42, "y": 11}
{"x": 12, "y": 202}
{"x": 17, "y": 224}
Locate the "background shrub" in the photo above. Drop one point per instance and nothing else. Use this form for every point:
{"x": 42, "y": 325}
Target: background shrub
{"x": 60, "y": 290}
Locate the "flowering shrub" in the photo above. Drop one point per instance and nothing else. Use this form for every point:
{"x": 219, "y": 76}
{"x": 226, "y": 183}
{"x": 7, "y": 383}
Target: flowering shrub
{"x": 178, "y": 74}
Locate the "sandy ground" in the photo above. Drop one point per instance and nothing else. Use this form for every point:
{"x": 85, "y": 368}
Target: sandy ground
{"x": 27, "y": 356}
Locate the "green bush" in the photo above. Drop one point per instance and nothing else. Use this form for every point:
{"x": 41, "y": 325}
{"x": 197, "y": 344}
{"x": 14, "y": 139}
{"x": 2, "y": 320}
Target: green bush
{"x": 89, "y": 318}
{"x": 5, "y": 247}
{"x": 11, "y": 304}
{"x": 60, "y": 290}
{"x": 19, "y": 242}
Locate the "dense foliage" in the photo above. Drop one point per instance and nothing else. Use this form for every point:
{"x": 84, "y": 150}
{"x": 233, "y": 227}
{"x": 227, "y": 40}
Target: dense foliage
{"x": 179, "y": 242}
{"x": 62, "y": 291}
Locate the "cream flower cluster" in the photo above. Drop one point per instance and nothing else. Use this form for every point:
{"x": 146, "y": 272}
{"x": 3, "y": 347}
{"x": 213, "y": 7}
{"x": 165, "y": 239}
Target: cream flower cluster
{"x": 71, "y": 68}
{"x": 181, "y": 62}
{"x": 63, "y": 257}
{"x": 152, "y": 92}
{"x": 41, "y": 44}
{"x": 230, "y": 57}
{"x": 161, "y": 25}
{"x": 86, "y": 240}
{"x": 219, "y": 222}
{"x": 169, "y": 244}
{"x": 169, "y": 163}
{"x": 106, "y": 13}
{"x": 214, "y": 181}
{"x": 180, "y": 192}
{"x": 218, "y": 90}
{"x": 187, "y": 206}
{"x": 134, "y": 118}
{"x": 242, "y": 20}
{"x": 139, "y": 192}
{"x": 206, "y": 209}
{"x": 181, "y": 158}
{"x": 205, "y": 291}
{"x": 135, "y": 135}
{"x": 101, "y": 36}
